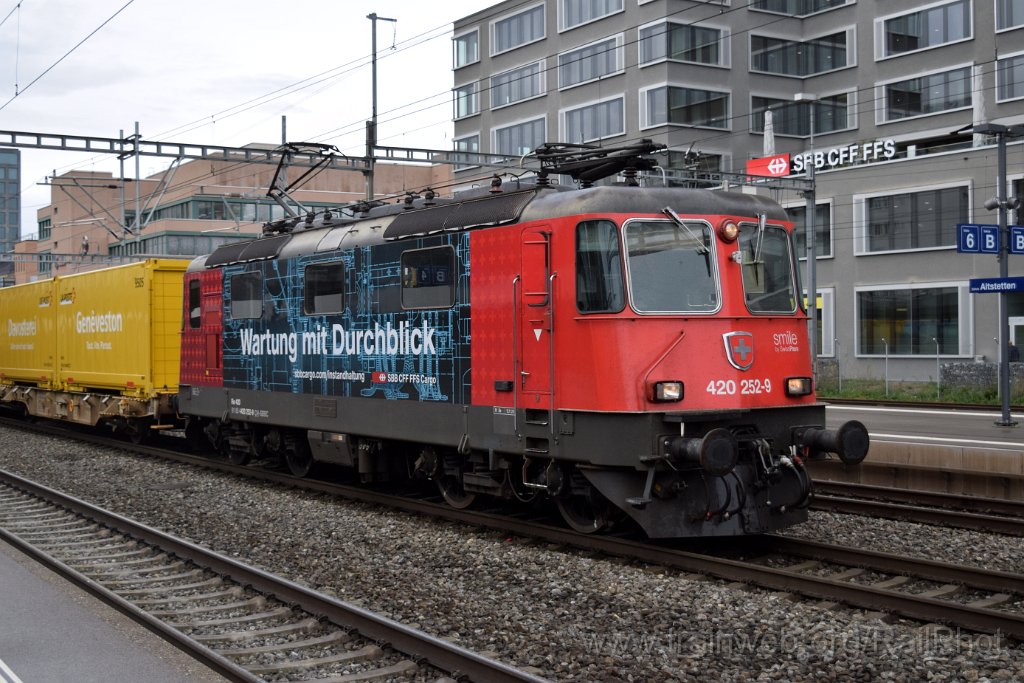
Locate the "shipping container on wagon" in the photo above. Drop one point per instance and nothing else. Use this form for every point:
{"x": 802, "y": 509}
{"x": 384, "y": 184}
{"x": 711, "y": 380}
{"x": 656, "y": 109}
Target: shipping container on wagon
{"x": 28, "y": 345}
{"x": 111, "y": 341}
{"x": 118, "y": 329}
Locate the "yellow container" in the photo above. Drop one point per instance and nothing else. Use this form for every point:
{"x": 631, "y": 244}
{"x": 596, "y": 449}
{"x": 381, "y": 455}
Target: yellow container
{"x": 28, "y": 345}
{"x": 119, "y": 329}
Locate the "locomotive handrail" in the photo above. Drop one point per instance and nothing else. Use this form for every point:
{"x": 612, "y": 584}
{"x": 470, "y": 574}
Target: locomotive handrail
{"x": 515, "y": 356}
{"x": 551, "y": 355}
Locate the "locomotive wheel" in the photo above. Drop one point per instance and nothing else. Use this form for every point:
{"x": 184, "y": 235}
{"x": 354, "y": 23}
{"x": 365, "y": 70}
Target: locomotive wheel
{"x": 585, "y": 514}
{"x": 299, "y": 459}
{"x": 234, "y": 455}
{"x": 453, "y": 491}
{"x": 195, "y": 435}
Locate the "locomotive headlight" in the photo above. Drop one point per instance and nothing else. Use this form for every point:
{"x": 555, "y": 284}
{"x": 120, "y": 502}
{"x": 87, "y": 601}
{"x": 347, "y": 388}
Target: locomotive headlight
{"x": 667, "y": 392}
{"x": 798, "y": 386}
{"x": 728, "y": 231}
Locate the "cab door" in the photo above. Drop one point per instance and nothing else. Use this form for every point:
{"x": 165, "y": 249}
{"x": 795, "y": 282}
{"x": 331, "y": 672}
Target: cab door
{"x": 201, "y": 349}
{"x": 535, "y": 320}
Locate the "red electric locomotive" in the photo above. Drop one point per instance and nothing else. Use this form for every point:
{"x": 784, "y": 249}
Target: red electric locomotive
{"x": 622, "y": 351}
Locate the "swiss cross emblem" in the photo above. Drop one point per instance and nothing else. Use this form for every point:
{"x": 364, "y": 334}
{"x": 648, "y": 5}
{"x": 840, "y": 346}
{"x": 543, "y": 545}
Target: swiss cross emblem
{"x": 739, "y": 349}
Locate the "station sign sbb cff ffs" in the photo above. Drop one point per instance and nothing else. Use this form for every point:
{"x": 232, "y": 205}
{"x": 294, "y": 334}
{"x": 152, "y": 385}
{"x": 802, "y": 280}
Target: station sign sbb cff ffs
{"x": 984, "y": 239}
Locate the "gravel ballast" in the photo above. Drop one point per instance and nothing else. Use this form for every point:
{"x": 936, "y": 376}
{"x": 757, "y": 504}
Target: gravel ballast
{"x": 571, "y": 616}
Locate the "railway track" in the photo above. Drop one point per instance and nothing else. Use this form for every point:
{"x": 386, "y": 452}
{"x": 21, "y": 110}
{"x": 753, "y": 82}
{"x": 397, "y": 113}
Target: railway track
{"x": 895, "y": 584}
{"x": 242, "y": 622}
{"x": 925, "y": 507}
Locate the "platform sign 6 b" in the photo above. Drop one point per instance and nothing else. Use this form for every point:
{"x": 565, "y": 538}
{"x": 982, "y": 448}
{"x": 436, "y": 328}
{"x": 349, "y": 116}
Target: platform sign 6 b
{"x": 977, "y": 239}
{"x": 1017, "y": 239}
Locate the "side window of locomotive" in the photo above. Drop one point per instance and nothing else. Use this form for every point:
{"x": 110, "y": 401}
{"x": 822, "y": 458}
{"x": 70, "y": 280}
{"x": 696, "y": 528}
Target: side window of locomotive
{"x": 768, "y": 284}
{"x": 247, "y": 295}
{"x": 599, "y": 287}
{"x": 671, "y": 267}
{"x": 194, "y": 308}
{"x": 323, "y": 288}
{"x": 428, "y": 278}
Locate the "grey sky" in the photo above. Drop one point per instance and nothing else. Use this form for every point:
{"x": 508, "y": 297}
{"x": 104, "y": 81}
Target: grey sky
{"x": 204, "y": 72}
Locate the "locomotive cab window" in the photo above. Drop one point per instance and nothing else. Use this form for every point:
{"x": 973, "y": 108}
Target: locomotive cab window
{"x": 323, "y": 288}
{"x": 768, "y": 280}
{"x": 194, "y": 307}
{"x": 671, "y": 267}
{"x": 599, "y": 287}
{"x": 428, "y": 278}
{"x": 247, "y": 295}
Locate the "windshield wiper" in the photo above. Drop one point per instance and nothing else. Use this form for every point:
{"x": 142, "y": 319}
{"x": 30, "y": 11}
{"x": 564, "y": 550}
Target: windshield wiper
{"x": 701, "y": 247}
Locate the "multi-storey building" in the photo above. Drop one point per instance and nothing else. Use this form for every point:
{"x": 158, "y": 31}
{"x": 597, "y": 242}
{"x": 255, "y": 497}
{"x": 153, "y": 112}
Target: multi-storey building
{"x": 94, "y": 219}
{"x": 879, "y": 96}
{"x": 10, "y": 208}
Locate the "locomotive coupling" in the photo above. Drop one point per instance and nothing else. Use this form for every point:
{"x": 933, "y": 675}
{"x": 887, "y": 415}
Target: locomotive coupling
{"x": 716, "y": 452}
{"x": 850, "y": 442}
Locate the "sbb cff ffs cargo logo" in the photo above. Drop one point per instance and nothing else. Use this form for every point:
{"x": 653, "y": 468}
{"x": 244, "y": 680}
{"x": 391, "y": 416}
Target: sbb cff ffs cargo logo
{"x": 775, "y": 166}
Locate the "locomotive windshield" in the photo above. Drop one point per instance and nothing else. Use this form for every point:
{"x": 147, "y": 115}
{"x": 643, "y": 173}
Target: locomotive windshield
{"x": 768, "y": 285}
{"x": 671, "y": 267}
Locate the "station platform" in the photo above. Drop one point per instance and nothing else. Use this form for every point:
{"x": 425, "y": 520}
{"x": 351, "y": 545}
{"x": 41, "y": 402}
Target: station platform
{"x": 53, "y": 632}
{"x": 990, "y": 472}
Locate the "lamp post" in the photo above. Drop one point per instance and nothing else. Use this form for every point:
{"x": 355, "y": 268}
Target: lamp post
{"x": 812, "y": 284}
{"x": 1002, "y": 203}
{"x": 371, "y": 126}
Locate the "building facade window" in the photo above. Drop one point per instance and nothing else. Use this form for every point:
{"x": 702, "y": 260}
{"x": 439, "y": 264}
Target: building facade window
{"x": 45, "y": 228}
{"x": 798, "y": 58}
{"x": 517, "y": 30}
{"x": 466, "y": 49}
{"x": 519, "y": 139}
{"x": 467, "y": 100}
{"x": 1010, "y": 77}
{"x": 925, "y": 95}
{"x": 799, "y": 8}
{"x": 691, "y": 161}
{"x": 1009, "y": 14}
{"x": 464, "y": 147}
{"x": 590, "y": 62}
{"x": 822, "y": 230}
{"x": 682, "y": 43}
{"x": 831, "y": 114}
{"x": 927, "y": 28}
{"x": 577, "y": 12}
{"x": 594, "y": 121}
{"x": 925, "y": 219}
{"x": 519, "y": 84}
{"x": 909, "y": 321}
{"x": 687, "y": 107}
{"x": 826, "y": 321}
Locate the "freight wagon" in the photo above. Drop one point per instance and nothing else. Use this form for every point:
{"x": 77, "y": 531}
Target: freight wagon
{"x": 100, "y": 347}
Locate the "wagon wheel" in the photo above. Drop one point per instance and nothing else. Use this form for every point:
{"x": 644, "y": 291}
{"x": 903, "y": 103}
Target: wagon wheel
{"x": 138, "y": 431}
{"x": 299, "y": 457}
{"x": 454, "y": 492}
{"x": 585, "y": 513}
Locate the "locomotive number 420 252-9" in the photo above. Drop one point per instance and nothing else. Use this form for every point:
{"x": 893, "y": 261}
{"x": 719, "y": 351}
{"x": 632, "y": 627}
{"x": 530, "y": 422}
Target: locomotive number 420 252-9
{"x": 744, "y": 387}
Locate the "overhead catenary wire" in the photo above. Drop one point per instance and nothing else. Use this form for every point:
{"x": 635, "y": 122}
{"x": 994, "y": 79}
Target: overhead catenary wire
{"x": 66, "y": 54}
{"x": 710, "y": 138}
